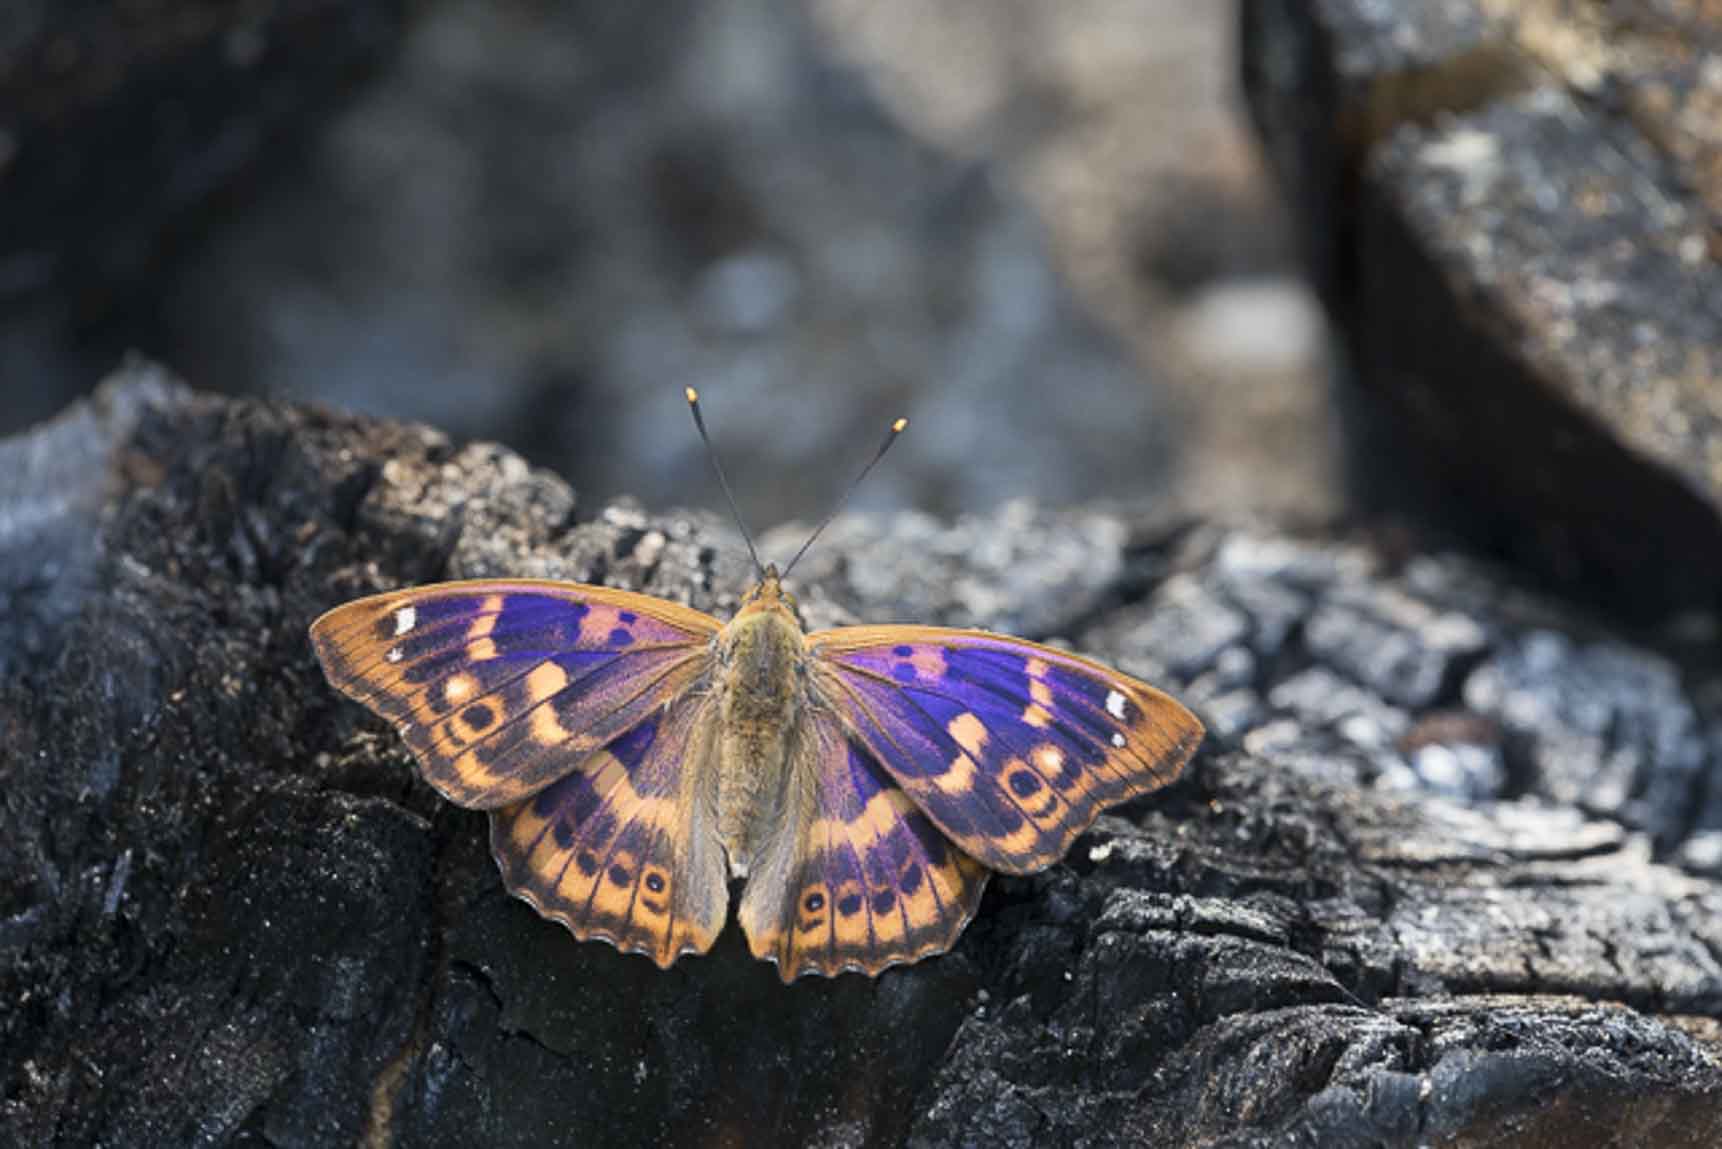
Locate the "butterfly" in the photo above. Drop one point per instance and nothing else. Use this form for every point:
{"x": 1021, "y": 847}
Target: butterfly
{"x": 636, "y": 755}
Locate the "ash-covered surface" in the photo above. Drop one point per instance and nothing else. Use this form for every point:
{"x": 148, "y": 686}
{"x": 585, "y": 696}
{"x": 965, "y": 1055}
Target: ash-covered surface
{"x": 1514, "y": 212}
{"x": 1385, "y": 907}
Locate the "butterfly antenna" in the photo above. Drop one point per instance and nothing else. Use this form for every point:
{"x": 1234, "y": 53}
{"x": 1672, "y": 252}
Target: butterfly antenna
{"x": 711, "y": 453}
{"x": 885, "y": 445}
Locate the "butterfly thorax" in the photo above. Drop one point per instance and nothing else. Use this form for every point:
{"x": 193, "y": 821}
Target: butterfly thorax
{"x": 760, "y": 693}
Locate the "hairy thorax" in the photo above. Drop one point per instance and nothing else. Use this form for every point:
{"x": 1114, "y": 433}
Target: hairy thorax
{"x": 760, "y": 692}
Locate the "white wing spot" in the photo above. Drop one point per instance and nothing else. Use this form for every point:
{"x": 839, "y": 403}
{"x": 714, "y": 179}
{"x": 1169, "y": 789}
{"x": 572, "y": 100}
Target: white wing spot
{"x": 405, "y": 619}
{"x": 1119, "y": 740}
{"x": 395, "y": 654}
{"x": 459, "y": 688}
{"x": 1115, "y": 705}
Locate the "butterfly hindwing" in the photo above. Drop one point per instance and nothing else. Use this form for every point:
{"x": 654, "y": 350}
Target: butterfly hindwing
{"x": 858, "y": 877}
{"x": 501, "y": 687}
{"x": 624, "y": 847}
{"x": 1010, "y": 747}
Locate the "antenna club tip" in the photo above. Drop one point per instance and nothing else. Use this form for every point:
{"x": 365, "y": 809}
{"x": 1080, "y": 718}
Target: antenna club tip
{"x": 692, "y": 395}
{"x": 897, "y": 427}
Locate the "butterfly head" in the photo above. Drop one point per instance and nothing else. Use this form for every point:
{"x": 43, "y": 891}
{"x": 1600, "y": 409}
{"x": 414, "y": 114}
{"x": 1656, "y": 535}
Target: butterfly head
{"x": 768, "y": 595}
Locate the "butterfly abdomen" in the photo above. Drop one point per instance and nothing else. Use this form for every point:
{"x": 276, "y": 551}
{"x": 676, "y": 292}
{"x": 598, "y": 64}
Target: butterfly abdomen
{"x": 759, "y": 686}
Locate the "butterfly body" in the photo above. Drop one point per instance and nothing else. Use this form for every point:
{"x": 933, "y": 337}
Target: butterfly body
{"x": 761, "y": 690}
{"x": 634, "y": 755}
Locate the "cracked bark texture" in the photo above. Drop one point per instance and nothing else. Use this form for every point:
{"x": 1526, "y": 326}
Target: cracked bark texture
{"x": 1447, "y": 872}
{"x": 1513, "y": 210}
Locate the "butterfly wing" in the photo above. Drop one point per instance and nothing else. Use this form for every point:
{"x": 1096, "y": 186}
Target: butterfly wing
{"x": 501, "y": 688}
{"x": 625, "y": 848}
{"x": 1010, "y": 747}
{"x": 857, "y": 878}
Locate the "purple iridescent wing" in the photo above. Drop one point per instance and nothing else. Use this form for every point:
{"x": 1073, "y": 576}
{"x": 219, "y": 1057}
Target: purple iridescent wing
{"x": 858, "y": 878}
{"x": 1010, "y": 747}
{"x": 501, "y": 688}
{"x": 624, "y": 848}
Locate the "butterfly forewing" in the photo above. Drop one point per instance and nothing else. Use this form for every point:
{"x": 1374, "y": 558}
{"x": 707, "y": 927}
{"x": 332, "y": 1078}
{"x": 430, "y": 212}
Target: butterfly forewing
{"x": 500, "y": 688}
{"x": 623, "y": 848}
{"x": 859, "y": 878}
{"x": 1010, "y": 747}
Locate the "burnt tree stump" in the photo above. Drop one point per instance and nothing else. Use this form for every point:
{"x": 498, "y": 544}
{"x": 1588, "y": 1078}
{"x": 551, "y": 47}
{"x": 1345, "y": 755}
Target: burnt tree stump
{"x": 1513, "y": 210}
{"x": 1447, "y": 871}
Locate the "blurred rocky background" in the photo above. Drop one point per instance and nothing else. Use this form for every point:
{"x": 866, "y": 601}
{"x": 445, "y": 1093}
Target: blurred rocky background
{"x": 1042, "y": 231}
